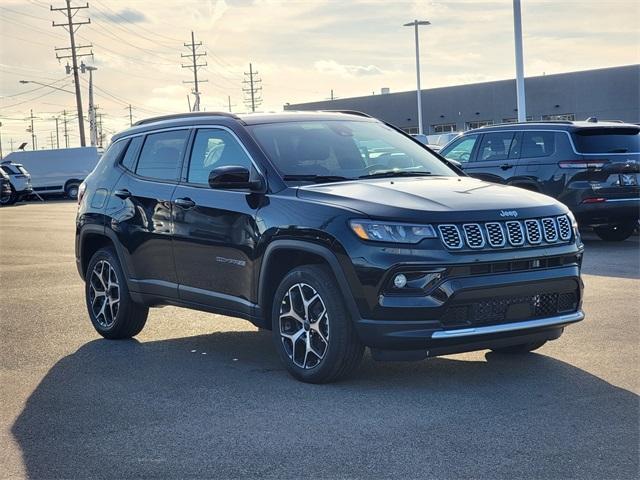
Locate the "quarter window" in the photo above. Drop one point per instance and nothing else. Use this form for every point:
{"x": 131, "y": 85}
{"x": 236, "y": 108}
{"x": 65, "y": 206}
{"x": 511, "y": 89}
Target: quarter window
{"x": 129, "y": 159}
{"x": 214, "y": 148}
{"x": 538, "y": 144}
{"x": 461, "y": 151}
{"x": 162, "y": 154}
{"x": 495, "y": 146}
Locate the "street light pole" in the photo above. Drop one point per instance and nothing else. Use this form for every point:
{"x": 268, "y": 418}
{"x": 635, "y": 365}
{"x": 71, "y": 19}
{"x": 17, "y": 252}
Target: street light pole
{"x": 517, "y": 31}
{"x": 415, "y": 24}
{"x": 93, "y": 128}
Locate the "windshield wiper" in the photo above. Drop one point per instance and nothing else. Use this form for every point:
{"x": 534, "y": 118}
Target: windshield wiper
{"x": 315, "y": 178}
{"x": 392, "y": 173}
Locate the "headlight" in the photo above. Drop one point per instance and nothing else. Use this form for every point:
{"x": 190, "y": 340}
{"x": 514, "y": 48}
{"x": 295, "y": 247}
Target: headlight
{"x": 391, "y": 232}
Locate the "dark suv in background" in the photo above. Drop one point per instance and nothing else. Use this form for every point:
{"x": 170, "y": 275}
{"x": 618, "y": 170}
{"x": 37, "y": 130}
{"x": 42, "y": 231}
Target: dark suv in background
{"x": 334, "y": 230}
{"x": 591, "y": 166}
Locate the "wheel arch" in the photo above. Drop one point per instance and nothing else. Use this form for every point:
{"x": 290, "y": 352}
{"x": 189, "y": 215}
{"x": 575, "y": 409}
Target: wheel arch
{"x": 281, "y": 256}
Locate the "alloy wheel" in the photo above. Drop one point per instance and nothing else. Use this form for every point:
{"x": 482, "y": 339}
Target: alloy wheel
{"x": 104, "y": 293}
{"x": 304, "y": 326}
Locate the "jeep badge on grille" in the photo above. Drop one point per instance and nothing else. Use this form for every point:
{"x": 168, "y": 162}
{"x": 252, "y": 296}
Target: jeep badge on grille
{"x": 508, "y": 213}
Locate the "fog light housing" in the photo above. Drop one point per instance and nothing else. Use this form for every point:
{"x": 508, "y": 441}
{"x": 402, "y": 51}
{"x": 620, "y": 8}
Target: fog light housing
{"x": 400, "y": 281}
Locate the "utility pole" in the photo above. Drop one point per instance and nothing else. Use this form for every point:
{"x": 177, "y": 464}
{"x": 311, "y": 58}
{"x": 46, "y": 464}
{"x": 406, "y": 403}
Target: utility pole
{"x": 66, "y": 131}
{"x": 130, "y": 115}
{"x": 57, "y": 134}
{"x": 100, "y": 135}
{"x": 252, "y": 97}
{"x": 1, "y": 142}
{"x": 93, "y": 131}
{"x": 517, "y": 32}
{"x": 194, "y": 66}
{"x": 51, "y": 139}
{"x": 72, "y": 27}
{"x": 229, "y": 100}
{"x": 11, "y": 143}
{"x": 33, "y": 133}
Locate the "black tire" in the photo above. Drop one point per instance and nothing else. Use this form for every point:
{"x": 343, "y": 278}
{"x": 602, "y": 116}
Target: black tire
{"x": 71, "y": 190}
{"x": 616, "y": 233}
{"x": 342, "y": 350}
{"x": 129, "y": 317}
{"x": 520, "y": 349}
{"x": 9, "y": 199}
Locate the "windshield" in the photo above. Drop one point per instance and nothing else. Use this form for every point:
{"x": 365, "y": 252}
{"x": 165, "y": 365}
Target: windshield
{"x": 333, "y": 150}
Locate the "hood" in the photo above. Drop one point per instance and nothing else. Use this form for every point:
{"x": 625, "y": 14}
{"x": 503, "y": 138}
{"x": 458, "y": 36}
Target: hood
{"x": 433, "y": 199}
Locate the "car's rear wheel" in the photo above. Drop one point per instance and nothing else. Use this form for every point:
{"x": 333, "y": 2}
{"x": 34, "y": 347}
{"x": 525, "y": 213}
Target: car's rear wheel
{"x": 616, "y": 233}
{"x": 522, "y": 348}
{"x": 312, "y": 329}
{"x": 113, "y": 313}
{"x": 9, "y": 199}
{"x": 72, "y": 191}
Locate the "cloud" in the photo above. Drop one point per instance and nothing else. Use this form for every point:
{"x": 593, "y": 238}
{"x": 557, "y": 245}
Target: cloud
{"x": 334, "y": 68}
{"x": 126, "y": 15}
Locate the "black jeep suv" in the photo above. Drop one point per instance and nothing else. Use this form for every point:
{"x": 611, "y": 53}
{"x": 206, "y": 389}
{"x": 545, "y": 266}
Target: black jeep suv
{"x": 334, "y": 230}
{"x": 592, "y": 167}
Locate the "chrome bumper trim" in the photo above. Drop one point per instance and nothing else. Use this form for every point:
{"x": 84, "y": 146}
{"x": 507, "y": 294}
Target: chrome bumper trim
{"x": 509, "y": 327}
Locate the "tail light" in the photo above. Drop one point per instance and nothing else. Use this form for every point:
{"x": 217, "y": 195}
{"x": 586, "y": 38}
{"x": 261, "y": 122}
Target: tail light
{"x": 583, "y": 163}
{"x": 594, "y": 200}
{"x": 81, "y": 189}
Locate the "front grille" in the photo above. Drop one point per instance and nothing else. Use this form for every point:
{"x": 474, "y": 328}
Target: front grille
{"x": 473, "y": 235}
{"x": 550, "y": 230}
{"x": 450, "y": 236}
{"x": 513, "y": 233}
{"x": 510, "y": 309}
{"x": 564, "y": 227}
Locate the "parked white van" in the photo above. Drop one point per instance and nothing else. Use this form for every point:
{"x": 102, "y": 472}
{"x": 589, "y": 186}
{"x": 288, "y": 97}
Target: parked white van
{"x": 58, "y": 170}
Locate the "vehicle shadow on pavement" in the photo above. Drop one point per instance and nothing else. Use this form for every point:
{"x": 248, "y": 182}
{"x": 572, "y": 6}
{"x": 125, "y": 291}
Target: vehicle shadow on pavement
{"x": 612, "y": 259}
{"x": 222, "y": 406}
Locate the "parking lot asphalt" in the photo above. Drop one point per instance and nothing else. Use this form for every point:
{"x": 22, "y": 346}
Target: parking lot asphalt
{"x": 201, "y": 395}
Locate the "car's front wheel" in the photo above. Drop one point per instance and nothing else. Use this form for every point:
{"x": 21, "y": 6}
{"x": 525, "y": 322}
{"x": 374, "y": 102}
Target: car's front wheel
{"x": 113, "y": 313}
{"x": 616, "y": 233}
{"x": 312, "y": 329}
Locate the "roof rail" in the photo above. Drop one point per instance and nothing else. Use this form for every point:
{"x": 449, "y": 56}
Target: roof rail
{"x": 176, "y": 116}
{"x": 560, "y": 122}
{"x": 349, "y": 112}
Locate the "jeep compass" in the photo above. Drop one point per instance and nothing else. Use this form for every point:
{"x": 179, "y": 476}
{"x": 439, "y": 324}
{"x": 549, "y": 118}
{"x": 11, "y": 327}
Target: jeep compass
{"x": 334, "y": 230}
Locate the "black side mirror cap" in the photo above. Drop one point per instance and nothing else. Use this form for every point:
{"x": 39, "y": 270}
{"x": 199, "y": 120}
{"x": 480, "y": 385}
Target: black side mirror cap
{"x": 232, "y": 177}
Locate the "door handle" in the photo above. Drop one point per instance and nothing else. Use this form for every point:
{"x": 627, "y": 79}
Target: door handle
{"x": 185, "y": 203}
{"x": 506, "y": 166}
{"x": 123, "y": 194}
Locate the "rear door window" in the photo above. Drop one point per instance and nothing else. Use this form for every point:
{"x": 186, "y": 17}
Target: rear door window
{"x": 538, "y": 144}
{"x": 161, "y": 155}
{"x": 608, "y": 140}
{"x": 495, "y": 146}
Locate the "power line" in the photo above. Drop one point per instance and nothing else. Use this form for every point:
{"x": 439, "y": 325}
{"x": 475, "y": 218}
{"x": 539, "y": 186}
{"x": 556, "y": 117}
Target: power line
{"x": 253, "y": 95}
{"x": 194, "y": 66}
{"x": 72, "y": 27}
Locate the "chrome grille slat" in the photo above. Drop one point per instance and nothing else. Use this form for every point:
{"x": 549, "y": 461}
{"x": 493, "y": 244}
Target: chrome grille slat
{"x": 495, "y": 234}
{"x": 473, "y": 235}
{"x": 515, "y": 234}
{"x": 550, "y": 230}
{"x": 534, "y": 235}
{"x": 451, "y": 236}
{"x": 564, "y": 227}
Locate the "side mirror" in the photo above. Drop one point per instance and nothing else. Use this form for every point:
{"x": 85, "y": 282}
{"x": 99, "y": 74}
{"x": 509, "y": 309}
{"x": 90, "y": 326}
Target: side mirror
{"x": 233, "y": 177}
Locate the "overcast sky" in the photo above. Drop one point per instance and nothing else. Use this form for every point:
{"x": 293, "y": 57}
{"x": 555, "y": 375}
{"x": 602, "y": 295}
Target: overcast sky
{"x": 302, "y": 49}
